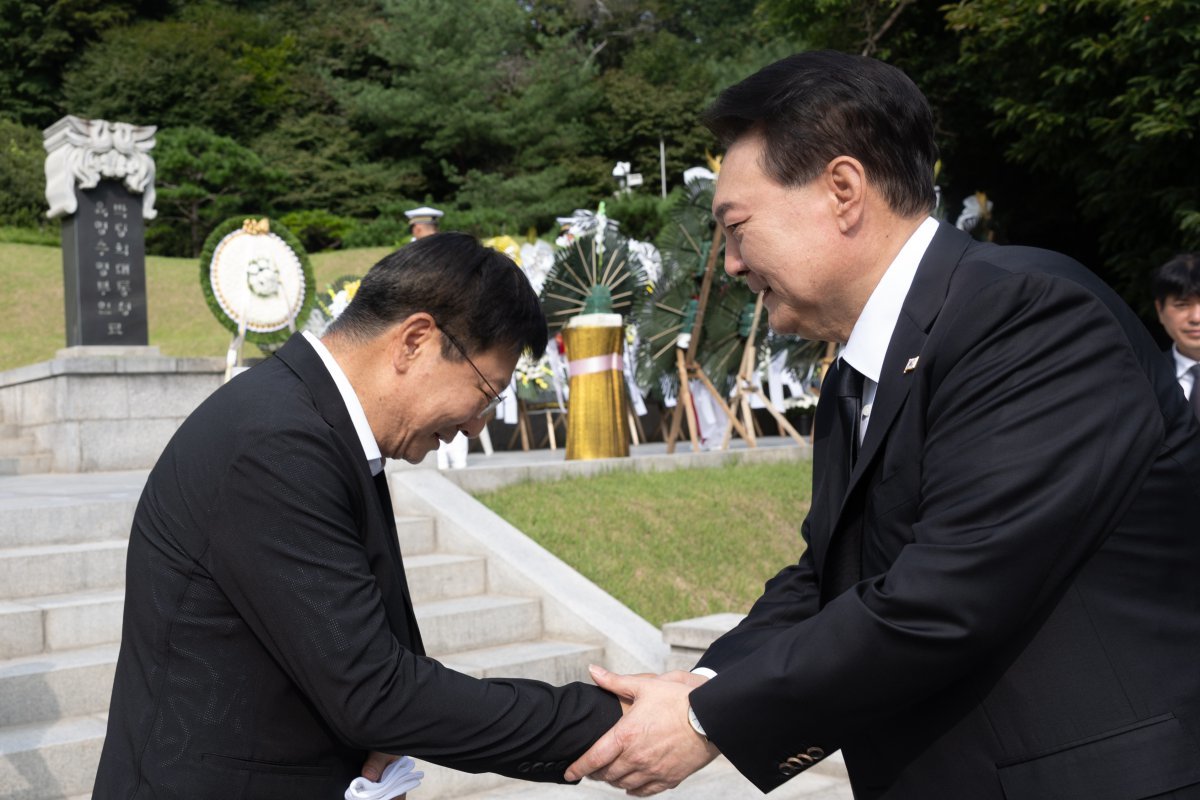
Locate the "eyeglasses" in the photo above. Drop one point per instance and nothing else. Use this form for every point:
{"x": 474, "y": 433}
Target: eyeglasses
{"x": 496, "y": 398}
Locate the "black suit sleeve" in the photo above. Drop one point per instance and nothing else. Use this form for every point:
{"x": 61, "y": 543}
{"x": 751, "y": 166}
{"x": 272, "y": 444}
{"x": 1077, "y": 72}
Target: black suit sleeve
{"x": 1038, "y": 428}
{"x": 285, "y": 549}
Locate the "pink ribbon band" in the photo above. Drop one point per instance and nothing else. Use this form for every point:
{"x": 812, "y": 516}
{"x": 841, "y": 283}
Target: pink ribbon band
{"x": 588, "y": 366}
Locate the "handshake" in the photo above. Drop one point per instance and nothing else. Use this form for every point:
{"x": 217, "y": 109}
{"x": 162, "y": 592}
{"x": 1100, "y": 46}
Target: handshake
{"x": 654, "y": 746}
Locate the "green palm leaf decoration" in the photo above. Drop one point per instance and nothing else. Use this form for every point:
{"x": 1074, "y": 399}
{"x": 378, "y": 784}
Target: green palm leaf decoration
{"x": 595, "y": 274}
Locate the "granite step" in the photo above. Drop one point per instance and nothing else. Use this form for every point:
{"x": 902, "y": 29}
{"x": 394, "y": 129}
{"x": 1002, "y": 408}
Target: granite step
{"x": 62, "y": 520}
{"x": 544, "y": 660}
{"x": 441, "y": 576}
{"x": 66, "y": 522}
{"x": 47, "y": 686}
{"x": 417, "y": 535}
{"x": 46, "y": 761}
{"x": 61, "y": 568}
{"x": 473, "y": 623}
{"x": 65, "y": 565}
{"x": 51, "y": 623}
{"x": 34, "y": 464}
{"x": 60, "y": 621}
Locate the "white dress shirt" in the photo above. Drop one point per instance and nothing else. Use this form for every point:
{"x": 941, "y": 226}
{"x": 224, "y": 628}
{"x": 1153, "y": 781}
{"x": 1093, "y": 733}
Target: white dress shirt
{"x": 353, "y": 406}
{"x": 873, "y": 331}
{"x": 1183, "y": 374}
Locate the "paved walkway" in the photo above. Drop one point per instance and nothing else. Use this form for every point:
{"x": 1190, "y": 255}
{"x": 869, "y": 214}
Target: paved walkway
{"x": 69, "y": 488}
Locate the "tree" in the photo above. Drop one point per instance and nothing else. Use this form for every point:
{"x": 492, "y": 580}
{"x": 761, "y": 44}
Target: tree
{"x": 40, "y": 39}
{"x": 859, "y": 26}
{"x": 326, "y": 164}
{"x": 1105, "y": 95}
{"x": 215, "y": 67}
{"x": 22, "y": 176}
{"x": 202, "y": 179}
{"x": 495, "y": 96}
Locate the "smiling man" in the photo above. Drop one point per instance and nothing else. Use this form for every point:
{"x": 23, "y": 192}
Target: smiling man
{"x": 1177, "y": 300}
{"x": 998, "y": 597}
{"x": 269, "y": 639}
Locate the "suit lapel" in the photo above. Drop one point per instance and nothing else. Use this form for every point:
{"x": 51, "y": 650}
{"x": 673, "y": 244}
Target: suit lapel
{"x": 302, "y": 359}
{"x": 921, "y": 308}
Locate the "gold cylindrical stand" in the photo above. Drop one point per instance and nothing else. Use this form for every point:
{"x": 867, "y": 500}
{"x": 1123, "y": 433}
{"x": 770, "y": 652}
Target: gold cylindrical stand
{"x": 597, "y": 423}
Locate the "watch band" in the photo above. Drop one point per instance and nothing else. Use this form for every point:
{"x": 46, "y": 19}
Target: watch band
{"x": 695, "y": 723}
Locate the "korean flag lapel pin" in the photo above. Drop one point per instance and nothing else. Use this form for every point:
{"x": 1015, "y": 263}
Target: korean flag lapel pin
{"x": 911, "y": 365}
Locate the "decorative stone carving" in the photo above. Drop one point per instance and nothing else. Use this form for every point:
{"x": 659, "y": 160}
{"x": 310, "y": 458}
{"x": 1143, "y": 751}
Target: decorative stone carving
{"x": 85, "y": 151}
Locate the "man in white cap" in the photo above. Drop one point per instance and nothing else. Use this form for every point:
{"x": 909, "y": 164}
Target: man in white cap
{"x": 423, "y": 221}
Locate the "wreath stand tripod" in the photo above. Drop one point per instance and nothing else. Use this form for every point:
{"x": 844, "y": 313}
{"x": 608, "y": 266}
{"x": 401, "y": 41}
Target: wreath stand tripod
{"x": 689, "y": 368}
{"x": 746, "y": 387}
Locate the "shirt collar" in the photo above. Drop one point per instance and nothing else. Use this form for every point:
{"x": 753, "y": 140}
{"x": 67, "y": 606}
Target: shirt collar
{"x": 1182, "y": 362}
{"x": 868, "y": 343}
{"x": 353, "y": 406}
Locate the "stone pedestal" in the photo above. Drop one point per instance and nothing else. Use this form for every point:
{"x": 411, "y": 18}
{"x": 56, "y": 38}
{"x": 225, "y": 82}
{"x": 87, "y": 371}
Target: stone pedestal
{"x": 689, "y": 638}
{"x": 95, "y": 409}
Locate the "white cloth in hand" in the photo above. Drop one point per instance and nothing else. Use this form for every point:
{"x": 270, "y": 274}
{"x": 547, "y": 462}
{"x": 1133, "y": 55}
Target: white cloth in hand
{"x": 398, "y": 778}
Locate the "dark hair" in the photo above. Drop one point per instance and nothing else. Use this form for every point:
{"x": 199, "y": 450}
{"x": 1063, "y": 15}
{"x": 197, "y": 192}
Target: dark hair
{"x": 475, "y": 293}
{"x": 813, "y": 107}
{"x": 1179, "y": 277}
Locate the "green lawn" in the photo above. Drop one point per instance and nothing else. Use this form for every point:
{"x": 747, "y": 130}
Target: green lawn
{"x": 670, "y": 545}
{"x": 33, "y": 325}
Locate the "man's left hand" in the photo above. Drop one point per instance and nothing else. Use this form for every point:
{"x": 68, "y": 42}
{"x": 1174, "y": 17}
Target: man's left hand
{"x": 653, "y": 747}
{"x": 375, "y": 764}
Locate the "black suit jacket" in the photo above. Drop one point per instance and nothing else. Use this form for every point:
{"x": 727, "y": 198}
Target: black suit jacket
{"x": 269, "y": 639}
{"x": 1027, "y": 623}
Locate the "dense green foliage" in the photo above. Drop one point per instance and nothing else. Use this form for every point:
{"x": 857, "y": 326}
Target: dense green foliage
{"x": 1077, "y": 118}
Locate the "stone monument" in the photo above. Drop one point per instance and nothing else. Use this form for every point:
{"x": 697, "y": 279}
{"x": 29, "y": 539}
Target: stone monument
{"x": 100, "y": 181}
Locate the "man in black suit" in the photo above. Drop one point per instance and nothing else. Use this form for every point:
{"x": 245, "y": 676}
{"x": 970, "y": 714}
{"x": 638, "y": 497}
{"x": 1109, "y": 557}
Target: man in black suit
{"x": 269, "y": 639}
{"x": 1177, "y": 300}
{"x": 999, "y": 597}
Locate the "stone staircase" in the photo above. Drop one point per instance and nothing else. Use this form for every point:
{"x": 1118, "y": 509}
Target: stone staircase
{"x": 62, "y": 566}
{"x": 19, "y": 454}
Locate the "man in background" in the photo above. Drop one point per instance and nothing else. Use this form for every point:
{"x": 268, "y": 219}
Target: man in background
{"x": 423, "y": 221}
{"x": 1177, "y": 300}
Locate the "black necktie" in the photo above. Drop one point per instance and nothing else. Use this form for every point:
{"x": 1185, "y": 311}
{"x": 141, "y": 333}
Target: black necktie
{"x": 849, "y": 392}
{"x": 1195, "y": 396}
{"x": 846, "y": 558}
